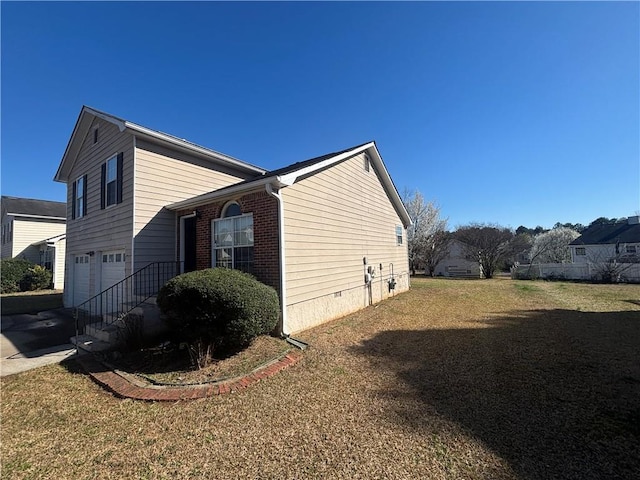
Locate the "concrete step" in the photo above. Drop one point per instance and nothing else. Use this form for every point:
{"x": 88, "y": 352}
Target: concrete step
{"x": 89, "y": 343}
{"x": 104, "y": 333}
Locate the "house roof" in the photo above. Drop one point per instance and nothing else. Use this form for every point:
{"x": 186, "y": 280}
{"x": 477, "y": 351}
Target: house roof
{"x": 609, "y": 233}
{"x": 88, "y": 114}
{"x": 30, "y": 207}
{"x": 287, "y": 176}
{"x": 54, "y": 239}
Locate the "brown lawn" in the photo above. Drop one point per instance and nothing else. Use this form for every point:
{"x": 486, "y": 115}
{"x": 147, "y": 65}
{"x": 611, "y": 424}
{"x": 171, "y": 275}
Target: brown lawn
{"x": 454, "y": 379}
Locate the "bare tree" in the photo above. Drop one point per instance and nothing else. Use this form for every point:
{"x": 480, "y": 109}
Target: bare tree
{"x": 489, "y": 244}
{"x": 436, "y": 249}
{"x": 424, "y": 237}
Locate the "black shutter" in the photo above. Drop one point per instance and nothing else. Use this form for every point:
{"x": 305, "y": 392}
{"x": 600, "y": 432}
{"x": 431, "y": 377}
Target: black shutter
{"x": 73, "y": 200}
{"x": 84, "y": 195}
{"x": 119, "y": 179}
{"x": 103, "y": 184}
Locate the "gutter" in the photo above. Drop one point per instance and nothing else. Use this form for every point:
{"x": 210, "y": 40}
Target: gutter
{"x": 283, "y": 284}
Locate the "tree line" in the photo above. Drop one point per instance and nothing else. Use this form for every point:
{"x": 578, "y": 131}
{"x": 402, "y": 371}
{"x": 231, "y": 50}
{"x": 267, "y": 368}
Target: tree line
{"x": 495, "y": 247}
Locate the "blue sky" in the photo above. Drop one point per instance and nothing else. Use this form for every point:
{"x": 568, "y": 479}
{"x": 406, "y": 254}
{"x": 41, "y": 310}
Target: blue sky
{"x": 507, "y": 112}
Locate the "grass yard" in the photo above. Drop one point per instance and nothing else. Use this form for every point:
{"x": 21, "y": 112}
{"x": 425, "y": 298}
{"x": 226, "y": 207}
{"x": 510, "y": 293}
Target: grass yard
{"x": 455, "y": 379}
{"x": 30, "y": 302}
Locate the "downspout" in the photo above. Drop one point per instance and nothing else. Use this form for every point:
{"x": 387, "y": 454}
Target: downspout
{"x": 283, "y": 285}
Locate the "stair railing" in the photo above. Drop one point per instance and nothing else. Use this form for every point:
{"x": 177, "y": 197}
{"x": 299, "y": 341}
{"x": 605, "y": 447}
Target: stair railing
{"x": 114, "y": 303}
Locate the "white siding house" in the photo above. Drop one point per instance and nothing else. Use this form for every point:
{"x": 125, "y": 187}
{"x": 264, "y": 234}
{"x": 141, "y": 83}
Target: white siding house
{"x": 27, "y": 225}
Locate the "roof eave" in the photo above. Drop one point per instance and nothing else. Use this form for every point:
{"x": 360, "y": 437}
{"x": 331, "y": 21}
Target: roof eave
{"x": 206, "y": 198}
{"x": 191, "y": 147}
{"x": 45, "y": 217}
{"x": 82, "y": 126}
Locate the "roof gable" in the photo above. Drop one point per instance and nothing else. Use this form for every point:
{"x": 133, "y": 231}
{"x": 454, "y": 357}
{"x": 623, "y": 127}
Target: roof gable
{"x": 31, "y": 207}
{"x": 287, "y": 176}
{"x": 88, "y": 115}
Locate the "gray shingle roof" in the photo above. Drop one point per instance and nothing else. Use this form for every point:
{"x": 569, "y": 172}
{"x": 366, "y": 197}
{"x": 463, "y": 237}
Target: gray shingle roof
{"x": 609, "y": 233}
{"x": 31, "y": 206}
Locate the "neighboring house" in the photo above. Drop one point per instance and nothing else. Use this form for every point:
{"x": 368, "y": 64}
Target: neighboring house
{"x": 35, "y": 230}
{"x": 457, "y": 262}
{"x": 607, "y": 242}
{"x": 313, "y": 230}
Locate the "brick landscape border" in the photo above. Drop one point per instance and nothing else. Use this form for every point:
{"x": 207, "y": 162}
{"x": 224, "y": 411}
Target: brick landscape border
{"x": 125, "y": 385}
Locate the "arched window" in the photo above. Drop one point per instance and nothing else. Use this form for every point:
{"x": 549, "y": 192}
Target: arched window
{"x": 231, "y": 209}
{"x": 233, "y": 239}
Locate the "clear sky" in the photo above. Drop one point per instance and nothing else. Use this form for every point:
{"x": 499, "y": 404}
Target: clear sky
{"x": 505, "y": 112}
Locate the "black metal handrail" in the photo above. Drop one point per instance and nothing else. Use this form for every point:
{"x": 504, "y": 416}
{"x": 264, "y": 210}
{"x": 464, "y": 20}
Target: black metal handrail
{"x": 114, "y": 303}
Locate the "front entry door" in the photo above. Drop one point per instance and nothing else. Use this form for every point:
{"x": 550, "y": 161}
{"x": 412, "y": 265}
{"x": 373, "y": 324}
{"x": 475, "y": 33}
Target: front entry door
{"x": 189, "y": 249}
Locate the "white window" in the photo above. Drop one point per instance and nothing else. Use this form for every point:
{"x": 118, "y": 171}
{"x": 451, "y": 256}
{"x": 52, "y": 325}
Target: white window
{"x": 111, "y": 181}
{"x": 631, "y": 249}
{"x": 233, "y": 239}
{"x": 580, "y": 251}
{"x": 79, "y": 198}
{"x": 398, "y": 235}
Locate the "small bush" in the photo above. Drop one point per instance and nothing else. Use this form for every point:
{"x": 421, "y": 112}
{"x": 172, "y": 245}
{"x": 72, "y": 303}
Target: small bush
{"x": 36, "y": 278}
{"x": 12, "y": 273}
{"x": 218, "y": 307}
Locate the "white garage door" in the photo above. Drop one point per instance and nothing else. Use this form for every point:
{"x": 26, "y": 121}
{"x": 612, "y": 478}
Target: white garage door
{"x": 112, "y": 270}
{"x": 80, "y": 279}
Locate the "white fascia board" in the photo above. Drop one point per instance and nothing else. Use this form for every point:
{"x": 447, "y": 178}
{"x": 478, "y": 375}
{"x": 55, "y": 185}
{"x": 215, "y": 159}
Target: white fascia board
{"x": 389, "y": 186}
{"x": 52, "y": 240}
{"x": 193, "y": 147}
{"x": 226, "y": 192}
{"x": 26, "y": 215}
{"x": 290, "y": 178}
{"x": 118, "y": 122}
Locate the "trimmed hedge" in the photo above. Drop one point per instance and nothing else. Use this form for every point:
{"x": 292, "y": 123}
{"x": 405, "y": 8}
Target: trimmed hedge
{"x": 220, "y": 307}
{"x": 20, "y": 275}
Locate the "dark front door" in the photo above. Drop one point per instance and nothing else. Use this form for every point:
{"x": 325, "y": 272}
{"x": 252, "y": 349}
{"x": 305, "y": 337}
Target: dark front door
{"x": 189, "y": 244}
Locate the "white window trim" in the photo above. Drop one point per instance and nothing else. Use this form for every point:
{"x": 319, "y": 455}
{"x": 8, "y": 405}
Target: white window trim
{"x": 232, "y": 247}
{"x": 79, "y": 213}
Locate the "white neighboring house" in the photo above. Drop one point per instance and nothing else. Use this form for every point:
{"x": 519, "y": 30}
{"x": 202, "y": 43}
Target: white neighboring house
{"x": 35, "y": 230}
{"x": 457, "y": 263}
{"x": 607, "y": 242}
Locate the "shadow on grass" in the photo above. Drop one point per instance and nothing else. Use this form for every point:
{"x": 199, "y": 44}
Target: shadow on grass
{"x": 555, "y": 393}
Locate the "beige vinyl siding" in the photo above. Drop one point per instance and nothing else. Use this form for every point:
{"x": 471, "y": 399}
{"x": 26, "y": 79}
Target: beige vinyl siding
{"x": 100, "y": 230}
{"x": 334, "y": 219}
{"x": 164, "y": 176}
{"x": 27, "y": 231}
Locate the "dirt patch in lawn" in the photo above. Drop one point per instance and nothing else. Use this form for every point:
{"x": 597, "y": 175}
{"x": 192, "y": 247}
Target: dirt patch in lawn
{"x": 172, "y": 365}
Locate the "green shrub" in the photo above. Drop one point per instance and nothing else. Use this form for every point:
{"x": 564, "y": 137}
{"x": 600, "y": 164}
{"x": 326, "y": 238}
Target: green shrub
{"x": 36, "y": 278}
{"x": 219, "y": 307}
{"x": 12, "y": 273}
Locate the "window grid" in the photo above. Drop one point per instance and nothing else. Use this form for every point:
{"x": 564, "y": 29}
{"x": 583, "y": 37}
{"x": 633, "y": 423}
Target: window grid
{"x": 233, "y": 243}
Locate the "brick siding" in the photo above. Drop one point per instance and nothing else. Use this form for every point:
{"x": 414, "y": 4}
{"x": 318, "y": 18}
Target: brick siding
{"x": 265, "y": 234}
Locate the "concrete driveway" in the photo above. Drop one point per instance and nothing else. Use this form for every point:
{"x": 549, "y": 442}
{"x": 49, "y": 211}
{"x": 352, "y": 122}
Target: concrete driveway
{"x": 32, "y": 340}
